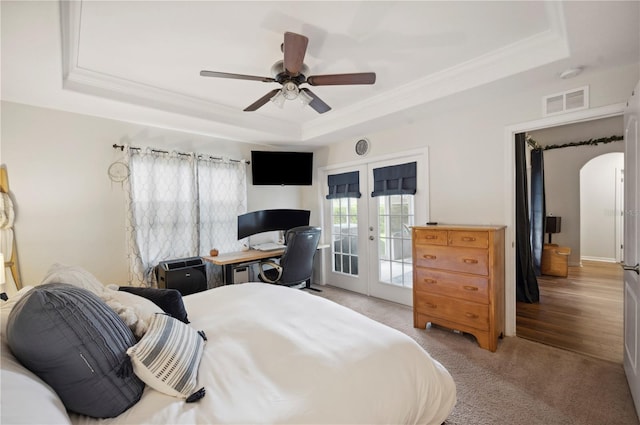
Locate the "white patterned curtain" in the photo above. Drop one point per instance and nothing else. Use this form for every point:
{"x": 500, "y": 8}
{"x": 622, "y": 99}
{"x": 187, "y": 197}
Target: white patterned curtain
{"x": 222, "y": 188}
{"x": 179, "y": 206}
{"x": 162, "y": 210}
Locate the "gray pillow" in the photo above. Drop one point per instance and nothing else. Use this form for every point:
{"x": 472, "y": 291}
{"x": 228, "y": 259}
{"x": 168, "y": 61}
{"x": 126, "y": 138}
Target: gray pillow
{"x": 75, "y": 343}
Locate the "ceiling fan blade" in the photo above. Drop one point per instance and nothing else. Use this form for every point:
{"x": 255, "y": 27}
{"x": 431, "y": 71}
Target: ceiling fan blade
{"x": 342, "y": 79}
{"x": 236, "y": 76}
{"x": 294, "y": 48}
{"x": 317, "y": 103}
{"x": 264, "y": 99}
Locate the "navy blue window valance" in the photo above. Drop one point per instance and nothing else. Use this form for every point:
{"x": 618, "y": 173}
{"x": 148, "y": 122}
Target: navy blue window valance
{"x": 395, "y": 180}
{"x": 345, "y": 185}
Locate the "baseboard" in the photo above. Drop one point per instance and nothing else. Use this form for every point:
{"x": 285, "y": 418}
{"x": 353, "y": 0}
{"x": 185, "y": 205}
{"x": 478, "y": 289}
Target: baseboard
{"x": 603, "y": 259}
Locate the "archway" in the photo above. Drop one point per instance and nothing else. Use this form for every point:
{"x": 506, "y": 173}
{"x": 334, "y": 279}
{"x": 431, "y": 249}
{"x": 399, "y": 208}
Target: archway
{"x": 601, "y": 204}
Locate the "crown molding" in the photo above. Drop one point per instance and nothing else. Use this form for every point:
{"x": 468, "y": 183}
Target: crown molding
{"x": 539, "y": 49}
{"x": 228, "y": 121}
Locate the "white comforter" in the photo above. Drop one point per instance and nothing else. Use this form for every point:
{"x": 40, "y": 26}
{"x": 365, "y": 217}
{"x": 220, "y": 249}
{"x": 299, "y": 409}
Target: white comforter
{"x": 280, "y": 355}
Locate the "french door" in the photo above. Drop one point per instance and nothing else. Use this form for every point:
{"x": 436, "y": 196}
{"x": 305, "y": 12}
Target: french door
{"x": 370, "y": 235}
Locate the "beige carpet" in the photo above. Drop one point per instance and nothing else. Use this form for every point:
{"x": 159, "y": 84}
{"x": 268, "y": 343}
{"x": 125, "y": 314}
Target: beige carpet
{"x": 523, "y": 382}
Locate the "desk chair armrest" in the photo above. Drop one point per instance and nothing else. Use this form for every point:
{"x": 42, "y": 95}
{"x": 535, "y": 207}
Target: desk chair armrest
{"x": 272, "y": 264}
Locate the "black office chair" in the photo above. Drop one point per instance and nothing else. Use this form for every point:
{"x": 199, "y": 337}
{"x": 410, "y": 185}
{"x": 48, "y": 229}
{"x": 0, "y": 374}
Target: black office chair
{"x": 296, "y": 263}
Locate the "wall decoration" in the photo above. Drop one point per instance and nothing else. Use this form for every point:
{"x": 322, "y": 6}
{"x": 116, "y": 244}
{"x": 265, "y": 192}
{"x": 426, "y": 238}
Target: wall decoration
{"x": 591, "y": 142}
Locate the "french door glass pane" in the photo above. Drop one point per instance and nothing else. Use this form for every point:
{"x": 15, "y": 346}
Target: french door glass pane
{"x": 344, "y": 235}
{"x": 395, "y": 216}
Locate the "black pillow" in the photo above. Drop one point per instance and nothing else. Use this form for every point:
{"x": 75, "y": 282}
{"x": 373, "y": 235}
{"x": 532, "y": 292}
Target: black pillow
{"x": 169, "y": 300}
{"x": 78, "y": 345}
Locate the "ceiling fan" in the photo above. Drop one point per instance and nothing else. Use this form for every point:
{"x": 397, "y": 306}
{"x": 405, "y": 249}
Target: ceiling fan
{"x": 291, "y": 73}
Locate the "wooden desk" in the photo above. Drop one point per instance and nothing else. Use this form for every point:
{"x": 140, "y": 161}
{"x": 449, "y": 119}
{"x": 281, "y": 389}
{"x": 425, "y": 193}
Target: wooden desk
{"x": 245, "y": 258}
{"x": 231, "y": 259}
{"x": 251, "y": 255}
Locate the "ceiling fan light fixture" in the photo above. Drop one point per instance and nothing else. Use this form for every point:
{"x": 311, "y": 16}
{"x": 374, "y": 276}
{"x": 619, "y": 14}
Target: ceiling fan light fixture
{"x": 278, "y": 99}
{"x": 290, "y": 72}
{"x": 305, "y": 99}
{"x": 290, "y": 90}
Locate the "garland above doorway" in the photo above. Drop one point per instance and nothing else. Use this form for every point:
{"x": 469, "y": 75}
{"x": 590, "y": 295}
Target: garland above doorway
{"x": 591, "y": 142}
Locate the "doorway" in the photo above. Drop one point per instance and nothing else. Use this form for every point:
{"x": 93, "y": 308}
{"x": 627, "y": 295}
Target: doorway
{"x": 581, "y": 312}
{"x": 601, "y": 208}
{"x": 370, "y": 240}
{"x": 567, "y": 196}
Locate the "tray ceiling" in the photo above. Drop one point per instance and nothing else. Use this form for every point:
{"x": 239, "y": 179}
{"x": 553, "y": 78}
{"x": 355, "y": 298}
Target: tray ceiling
{"x": 148, "y": 55}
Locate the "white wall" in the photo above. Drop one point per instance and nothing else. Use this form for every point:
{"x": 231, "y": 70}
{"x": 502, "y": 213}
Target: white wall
{"x": 465, "y": 137}
{"x": 599, "y": 207}
{"x": 67, "y": 209}
{"x": 562, "y": 173}
{"x": 471, "y": 169}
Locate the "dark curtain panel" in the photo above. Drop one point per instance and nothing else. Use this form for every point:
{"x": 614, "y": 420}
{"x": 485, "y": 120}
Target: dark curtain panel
{"x": 526, "y": 282}
{"x": 537, "y": 208}
{"x": 345, "y": 185}
{"x": 395, "y": 180}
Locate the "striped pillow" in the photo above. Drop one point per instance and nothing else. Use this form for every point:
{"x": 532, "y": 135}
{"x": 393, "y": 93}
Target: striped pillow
{"x": 168, "y": 356}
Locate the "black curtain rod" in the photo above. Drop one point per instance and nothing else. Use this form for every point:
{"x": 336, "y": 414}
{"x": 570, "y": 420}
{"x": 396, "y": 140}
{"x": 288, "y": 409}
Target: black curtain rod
{"x": 121, "y": 147}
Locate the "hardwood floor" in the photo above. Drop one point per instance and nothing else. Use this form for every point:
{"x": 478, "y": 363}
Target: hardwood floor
{"x": 582, "y": 312}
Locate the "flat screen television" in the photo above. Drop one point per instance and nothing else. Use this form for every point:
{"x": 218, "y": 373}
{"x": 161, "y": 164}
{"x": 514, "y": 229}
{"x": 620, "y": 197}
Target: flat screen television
{"x": 270, "y": 220}
{"x": 281, "y": 168}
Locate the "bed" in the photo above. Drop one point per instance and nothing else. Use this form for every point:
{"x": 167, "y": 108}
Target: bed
{"x": 272, "y": 355}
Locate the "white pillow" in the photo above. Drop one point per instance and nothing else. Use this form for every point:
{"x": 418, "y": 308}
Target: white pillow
{"x": 6, "y": 306}
{"x": 134, "y": 310}
{"x": 168, "y": 356}
{"x": 73, "y": 275}
{"x": 26, "y": 399}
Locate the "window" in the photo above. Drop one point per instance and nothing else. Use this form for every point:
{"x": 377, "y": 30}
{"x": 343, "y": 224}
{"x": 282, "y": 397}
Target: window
{"x": 180, "y": 206}
{"x": 395, "y": 187}
{"x": 344, "y": 235}
{"x": 222, "y": 193}
{"x": 344, "y": 191}
{"x": 395, "y": 215}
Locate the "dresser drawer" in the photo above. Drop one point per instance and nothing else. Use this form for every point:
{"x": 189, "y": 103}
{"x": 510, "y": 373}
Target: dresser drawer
{"x": 430, "y": 237}
{"x": 459, "y": 311}
{"x": 465, "y": 260}
{"x": 470, "y": 239}
{"x": 467, "y": 287}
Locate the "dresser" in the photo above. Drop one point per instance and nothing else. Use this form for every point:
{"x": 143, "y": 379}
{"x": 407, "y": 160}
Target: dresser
{"x": 458, "y": 280}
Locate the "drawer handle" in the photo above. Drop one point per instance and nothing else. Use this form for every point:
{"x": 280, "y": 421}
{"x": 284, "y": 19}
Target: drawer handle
{"x": 431, "y": 237}
{"x": 471, "y": 315}
{"x": 431, "y": 305}
{"x": 470, "y": 261}
{"x": 468, "y": 239}
{"x": 431, "y": 281}
{"x": 429, "y": 257}
{"x": 470, "y": 288}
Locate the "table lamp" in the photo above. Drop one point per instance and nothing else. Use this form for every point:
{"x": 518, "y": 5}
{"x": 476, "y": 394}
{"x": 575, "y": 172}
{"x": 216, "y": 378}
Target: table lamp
{"x": 552, "y": 225}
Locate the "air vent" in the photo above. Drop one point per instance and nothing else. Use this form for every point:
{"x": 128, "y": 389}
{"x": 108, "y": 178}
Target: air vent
{"x": 568, "y": 101}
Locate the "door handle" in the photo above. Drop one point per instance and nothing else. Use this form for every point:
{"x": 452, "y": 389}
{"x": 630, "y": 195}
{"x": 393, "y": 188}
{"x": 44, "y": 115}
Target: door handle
{"x": 635, "y": 268}
{"x": 371, "y": 238}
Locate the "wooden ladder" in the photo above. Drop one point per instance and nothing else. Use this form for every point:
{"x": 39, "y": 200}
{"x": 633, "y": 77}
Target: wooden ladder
{"x": 12, "y": 264}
